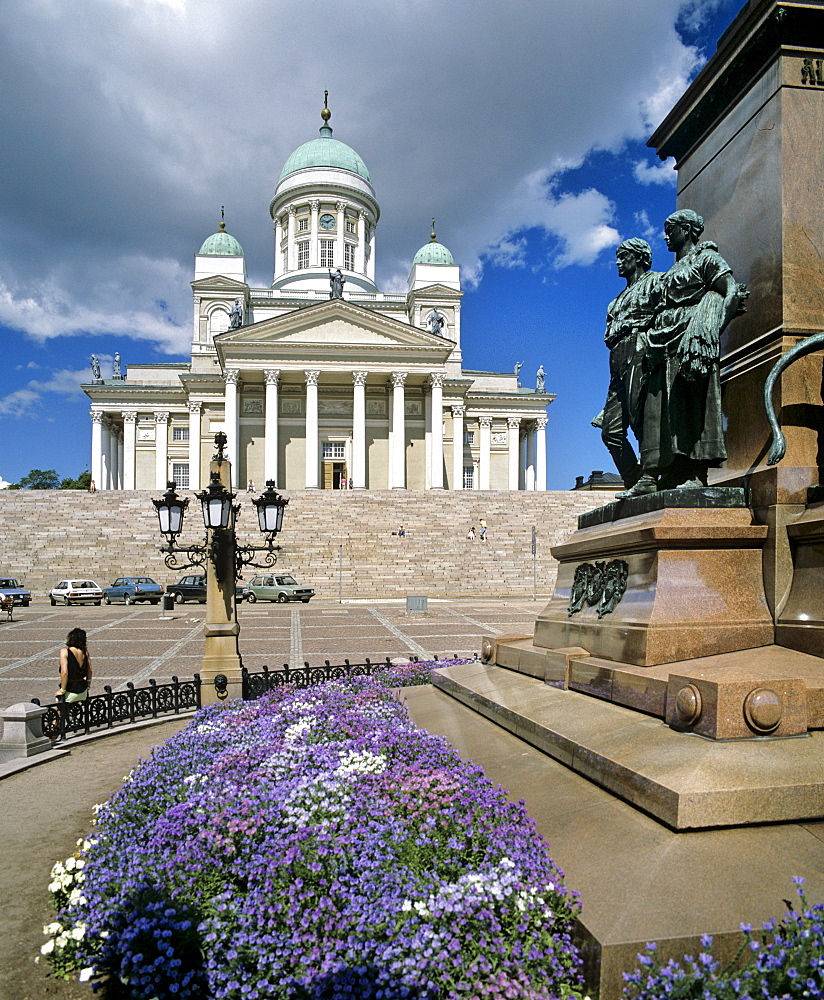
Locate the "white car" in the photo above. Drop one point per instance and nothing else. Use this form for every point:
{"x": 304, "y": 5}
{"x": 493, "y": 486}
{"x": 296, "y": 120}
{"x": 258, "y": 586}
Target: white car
{"x": 76, "y": 592}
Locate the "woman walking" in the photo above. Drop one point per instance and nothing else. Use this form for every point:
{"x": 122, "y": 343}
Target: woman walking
{"x": 75, "y": 667}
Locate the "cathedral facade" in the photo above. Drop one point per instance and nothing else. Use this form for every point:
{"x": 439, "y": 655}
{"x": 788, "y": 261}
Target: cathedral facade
{"x": 321, "y": 381}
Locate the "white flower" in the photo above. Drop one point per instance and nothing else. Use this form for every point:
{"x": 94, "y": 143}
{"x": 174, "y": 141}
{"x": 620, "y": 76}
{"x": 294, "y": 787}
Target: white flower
{"x": 47, "y": 948}
{"x": 54, "y": 886}
{"x": 85, "y": 974}
{"x": 78, "y": 932}
{"x": 70, "y": 864}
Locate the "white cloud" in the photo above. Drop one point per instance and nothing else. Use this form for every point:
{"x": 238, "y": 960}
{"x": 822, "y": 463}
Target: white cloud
{"x": 25, "y": 401}
{"x": 655, "y": 173}
{"x": 119, "y": 154}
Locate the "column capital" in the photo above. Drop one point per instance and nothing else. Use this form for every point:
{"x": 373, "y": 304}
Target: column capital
{"x": 231, "y": 376}
{"x": 398, "y": 379}
{"x": 292, "y": 210}
{"x": 271, "y": 376}
{"x": 436, "y": 379}
{"x": 340, "y": 206}
{"x": 161, "y": 416}
{"x": 484, "y": 421}
{"x": 513, "y": 423}
{"x": 129, "y": 416}
{"x": 314, "y": 205}
{"x": 359, "y": 378}
{"x": 97, "y": 416}
{"x": 541, "y": 422}
{"x": 312, "y": 376}
{"x": 195, "y": 407}
{"x": 458, "y": 410}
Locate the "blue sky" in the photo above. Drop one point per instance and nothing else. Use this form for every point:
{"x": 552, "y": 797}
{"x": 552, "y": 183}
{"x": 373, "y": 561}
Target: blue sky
{"x": 521, "y": 129}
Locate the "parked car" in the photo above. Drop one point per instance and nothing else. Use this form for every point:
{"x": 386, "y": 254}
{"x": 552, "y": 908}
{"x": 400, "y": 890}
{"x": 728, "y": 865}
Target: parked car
{"x": 9, "y": 587}
{"x": 132, "y": 589}
{"x": 76, "y": 592}
{"x": 193, "y": 588}
{"x": 277, "y": 587}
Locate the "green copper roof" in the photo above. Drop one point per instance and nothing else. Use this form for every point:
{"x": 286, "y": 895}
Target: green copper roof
{"x": 325, "y": 152}
{"x": 222, "y": 245}
{"x": 433, "y": 253}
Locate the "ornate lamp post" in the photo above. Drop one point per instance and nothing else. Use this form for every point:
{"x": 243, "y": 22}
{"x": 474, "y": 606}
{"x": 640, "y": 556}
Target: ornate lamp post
{"x": 223, "y": 560}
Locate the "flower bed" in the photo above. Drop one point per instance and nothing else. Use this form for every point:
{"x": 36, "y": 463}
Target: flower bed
{"x": 788, "y": 963}
{"x": 316, "y": 844}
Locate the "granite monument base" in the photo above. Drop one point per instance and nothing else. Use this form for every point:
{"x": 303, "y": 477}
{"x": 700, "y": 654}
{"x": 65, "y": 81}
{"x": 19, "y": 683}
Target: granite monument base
{"x": 690, "y": 563}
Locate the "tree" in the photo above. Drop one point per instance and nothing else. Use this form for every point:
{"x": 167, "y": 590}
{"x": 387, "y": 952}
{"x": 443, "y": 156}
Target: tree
{"x": 40, "y": 479}
{"x": 82, "y": 482}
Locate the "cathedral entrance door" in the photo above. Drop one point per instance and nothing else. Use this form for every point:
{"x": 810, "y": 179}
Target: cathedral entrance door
{"x": 334, "y": 475}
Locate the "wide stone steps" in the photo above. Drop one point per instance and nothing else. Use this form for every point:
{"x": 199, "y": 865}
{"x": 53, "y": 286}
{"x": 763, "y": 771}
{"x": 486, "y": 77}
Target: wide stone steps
{"x": 341, "y": 543}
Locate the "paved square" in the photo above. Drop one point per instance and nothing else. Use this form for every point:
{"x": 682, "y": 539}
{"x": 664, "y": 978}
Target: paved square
{"x": 138, "y": 643}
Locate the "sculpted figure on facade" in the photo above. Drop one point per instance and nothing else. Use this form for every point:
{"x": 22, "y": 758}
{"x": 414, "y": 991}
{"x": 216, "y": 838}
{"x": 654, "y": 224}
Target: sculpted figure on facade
{"x": 681, "y": 433}
{"x": 435, "y": 321}
{"x": 629, "y": 318}
{"x": 116, "y": 371}
{"x": 236, "y": 316}
{"x": 96, "y": 368}
{"x": 540, "y": 379}
{"x": 337, "y": 281}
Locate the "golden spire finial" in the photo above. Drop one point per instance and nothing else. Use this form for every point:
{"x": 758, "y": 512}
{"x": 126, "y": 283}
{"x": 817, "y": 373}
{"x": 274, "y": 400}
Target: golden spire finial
{"x": 326, "y": 114}
{"x": 222, "y": 220}
{"x": 432, "y": 237}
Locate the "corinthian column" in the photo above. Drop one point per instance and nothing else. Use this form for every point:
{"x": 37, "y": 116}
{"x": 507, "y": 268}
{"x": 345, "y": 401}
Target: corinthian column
{"x": 359, "y": 431}
{"x": 398, "y": 464}
{"x": 312, "y": 429}
{"x": 97, "y": 449}
{"x": 540, "y": 453}
{"x": 230, "y": 377}
{"x": 436, "y": 477}
{"x": 129, "y": 448}
{"x": 161, "y": 450}
{"x": 513, "y": 425}
{"x": 194, "y": 446}
{"x": 270, "y": 429}
{"x": 458, "y": 413}
{"x": 485, "y": 424}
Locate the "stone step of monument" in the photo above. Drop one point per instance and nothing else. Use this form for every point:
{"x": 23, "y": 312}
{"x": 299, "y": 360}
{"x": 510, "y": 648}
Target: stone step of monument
{"x": 684, "y": 781}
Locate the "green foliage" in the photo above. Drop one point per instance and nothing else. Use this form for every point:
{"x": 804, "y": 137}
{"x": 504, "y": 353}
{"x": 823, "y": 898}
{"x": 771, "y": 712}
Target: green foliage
{"x": 82, "y": 482}
{"x": 40, "y": 479}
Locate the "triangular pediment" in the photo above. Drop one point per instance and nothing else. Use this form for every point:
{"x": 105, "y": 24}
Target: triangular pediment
{"x": 336, "y": 324}
{"x": 219, "y": 282}
{"x": 438, "y": 290}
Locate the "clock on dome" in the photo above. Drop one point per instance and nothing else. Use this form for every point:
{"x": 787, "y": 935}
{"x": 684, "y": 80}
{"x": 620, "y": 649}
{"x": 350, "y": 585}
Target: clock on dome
{"x": 327, "y": 221}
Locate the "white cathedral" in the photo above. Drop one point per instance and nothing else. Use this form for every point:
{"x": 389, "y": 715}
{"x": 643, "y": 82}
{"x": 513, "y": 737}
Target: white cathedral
{"x": 321, "y": 381}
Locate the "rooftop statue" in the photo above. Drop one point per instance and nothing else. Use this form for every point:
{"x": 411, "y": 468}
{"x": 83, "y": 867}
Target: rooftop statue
{"x": 96, "y": 369}
{"x": 337, "y": 281}
{"x": 681, "y": 432}
{"x": 116, "y": 372}
{"x": 629, "y": 318}
{"x": 540, "y": 378}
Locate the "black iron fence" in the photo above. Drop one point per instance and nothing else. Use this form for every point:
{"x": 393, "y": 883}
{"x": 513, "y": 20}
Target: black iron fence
{"x": 116, "y": 708}
{"x": 258, "y": 683}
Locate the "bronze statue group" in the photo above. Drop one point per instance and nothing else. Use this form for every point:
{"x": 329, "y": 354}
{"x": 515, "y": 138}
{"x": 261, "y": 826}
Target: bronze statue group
{"x": 663, "y": 333}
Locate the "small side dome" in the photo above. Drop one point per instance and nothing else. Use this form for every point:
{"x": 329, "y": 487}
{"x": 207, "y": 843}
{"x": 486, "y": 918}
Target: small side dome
{"x": 221, "y": 244}
{"x": 433, "y": 252}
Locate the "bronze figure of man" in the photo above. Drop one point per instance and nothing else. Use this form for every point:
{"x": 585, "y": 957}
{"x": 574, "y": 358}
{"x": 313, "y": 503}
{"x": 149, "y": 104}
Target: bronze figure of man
{"x": 681, "y": 431}
{"x": 629, "y": 318}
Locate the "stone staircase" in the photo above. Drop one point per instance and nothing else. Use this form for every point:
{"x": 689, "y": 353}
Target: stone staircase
{"x": 339, "y": 542}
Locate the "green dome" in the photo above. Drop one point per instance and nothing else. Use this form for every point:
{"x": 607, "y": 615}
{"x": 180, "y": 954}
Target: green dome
{"x": 325, "y": 152}
{"x": 433, "y": 253}
{"x": 222, "y": 245}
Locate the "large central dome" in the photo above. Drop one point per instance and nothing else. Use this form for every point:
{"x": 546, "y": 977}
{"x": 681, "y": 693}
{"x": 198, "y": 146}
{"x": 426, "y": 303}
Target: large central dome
{"x": 325, "y": 151}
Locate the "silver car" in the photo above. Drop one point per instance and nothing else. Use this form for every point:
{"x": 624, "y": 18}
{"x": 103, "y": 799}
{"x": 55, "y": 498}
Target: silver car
{"x": 279, "y": 587}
